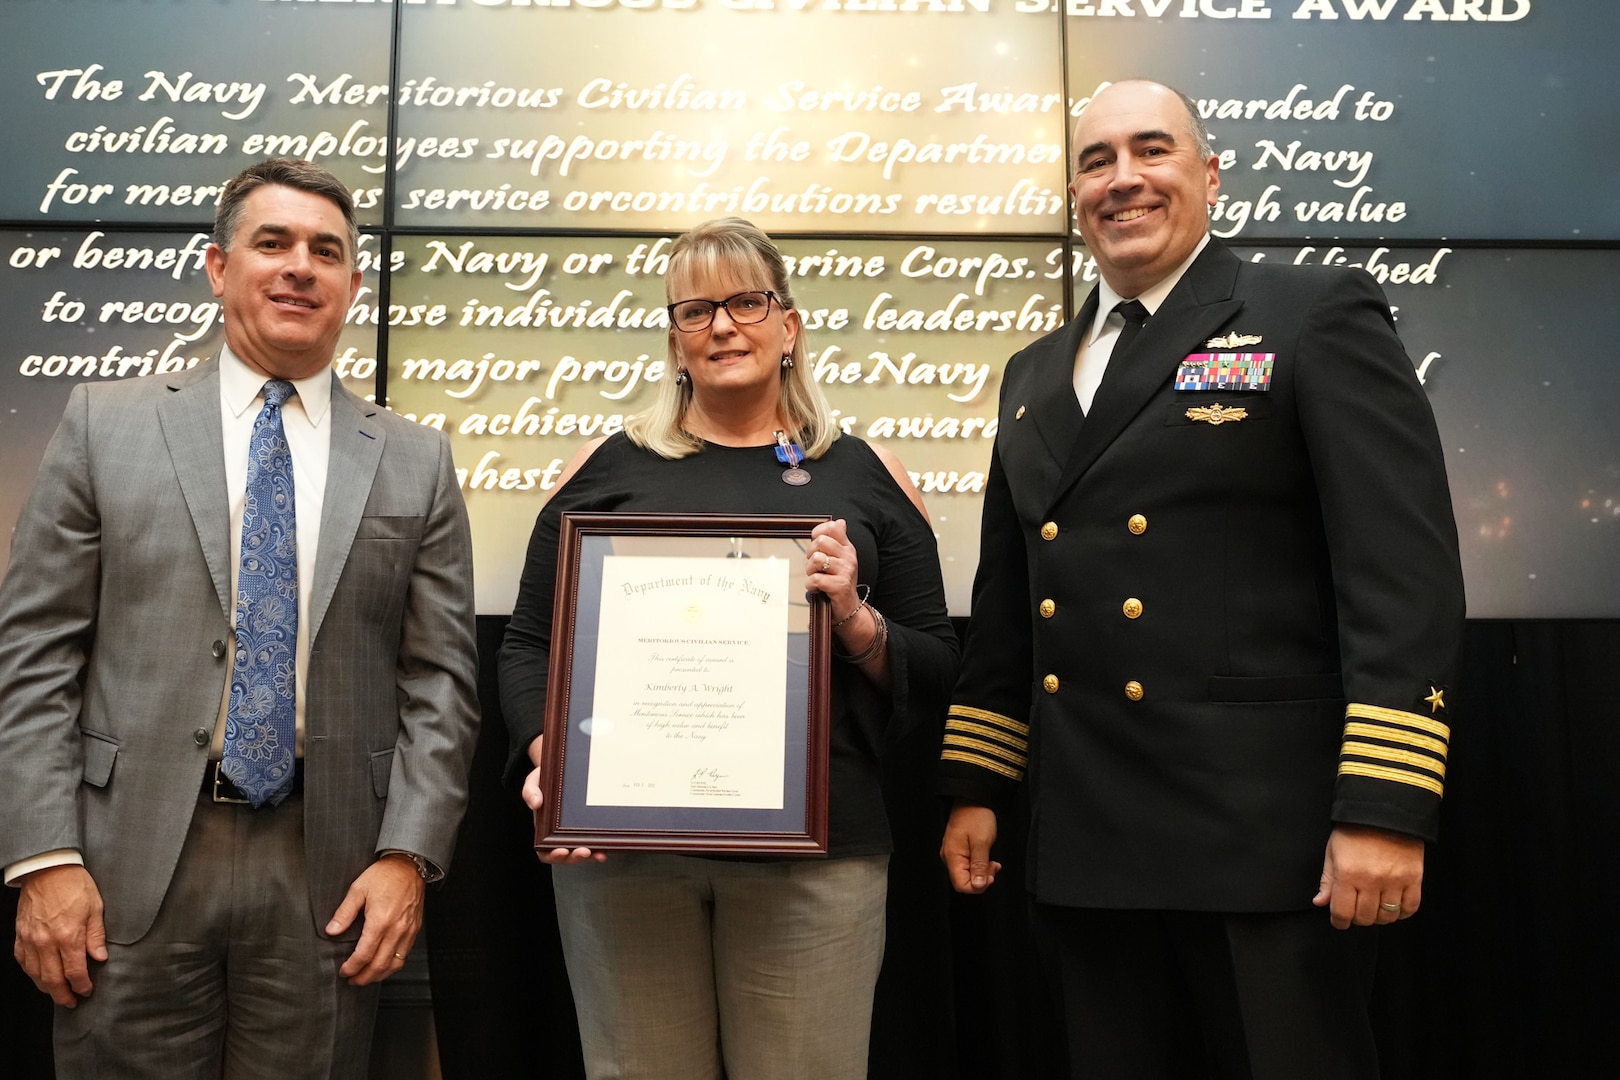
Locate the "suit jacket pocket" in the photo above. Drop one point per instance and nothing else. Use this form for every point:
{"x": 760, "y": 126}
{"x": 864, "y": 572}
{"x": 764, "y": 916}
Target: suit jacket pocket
{"x": 382, "y": 767}
{"x": 100, "y": 754}
{"x": 380, "y": 527}
{"x": 1241, "y": 688}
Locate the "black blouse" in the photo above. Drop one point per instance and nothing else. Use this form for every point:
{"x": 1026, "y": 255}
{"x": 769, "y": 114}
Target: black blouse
{"x": 899, "y": 561}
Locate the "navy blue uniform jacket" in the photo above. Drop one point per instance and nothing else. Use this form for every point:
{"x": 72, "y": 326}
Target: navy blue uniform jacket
{"x": 1208, "y": 624}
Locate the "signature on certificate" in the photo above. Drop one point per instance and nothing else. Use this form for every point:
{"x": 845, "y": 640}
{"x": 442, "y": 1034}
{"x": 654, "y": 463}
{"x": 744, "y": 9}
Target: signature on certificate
{"x": 711, "y": 781}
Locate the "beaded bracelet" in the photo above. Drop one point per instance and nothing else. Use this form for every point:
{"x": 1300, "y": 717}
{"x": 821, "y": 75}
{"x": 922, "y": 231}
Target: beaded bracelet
{"x": 880, "y": 639}
{"x": 864, "y": 591}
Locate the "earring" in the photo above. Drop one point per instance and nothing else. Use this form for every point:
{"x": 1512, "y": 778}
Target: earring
{"x": 680, "y": 376}
{"x": 787, "y": 360}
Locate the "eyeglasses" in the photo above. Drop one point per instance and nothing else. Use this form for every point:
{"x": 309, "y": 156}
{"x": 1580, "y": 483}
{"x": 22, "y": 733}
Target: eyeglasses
{"x": 690, "y": 316}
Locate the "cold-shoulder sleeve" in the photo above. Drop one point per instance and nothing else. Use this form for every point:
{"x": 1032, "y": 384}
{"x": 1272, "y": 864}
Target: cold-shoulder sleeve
{"x": 910, "y": 592}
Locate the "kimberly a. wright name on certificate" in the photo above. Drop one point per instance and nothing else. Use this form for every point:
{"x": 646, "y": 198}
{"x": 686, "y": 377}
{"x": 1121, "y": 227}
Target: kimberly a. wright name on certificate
{"x": 690, "y": 683}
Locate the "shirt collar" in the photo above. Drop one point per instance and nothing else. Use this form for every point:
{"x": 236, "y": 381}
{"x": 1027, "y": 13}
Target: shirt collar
{"x": 241, "y": 384}
{"x": 1150, "y": 298}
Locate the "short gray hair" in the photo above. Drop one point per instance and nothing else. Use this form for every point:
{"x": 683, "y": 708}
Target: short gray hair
{"x": 1195, "y": 124}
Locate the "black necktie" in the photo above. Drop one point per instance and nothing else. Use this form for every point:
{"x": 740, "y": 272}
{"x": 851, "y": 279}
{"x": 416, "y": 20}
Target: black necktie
{"x": 1134, "y": 315}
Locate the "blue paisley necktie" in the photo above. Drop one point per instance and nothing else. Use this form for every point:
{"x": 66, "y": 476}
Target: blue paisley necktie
{"x": 260, "y": 722}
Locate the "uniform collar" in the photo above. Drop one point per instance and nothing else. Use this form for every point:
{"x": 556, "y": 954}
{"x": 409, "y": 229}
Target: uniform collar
{"x": 1150, "y": 298}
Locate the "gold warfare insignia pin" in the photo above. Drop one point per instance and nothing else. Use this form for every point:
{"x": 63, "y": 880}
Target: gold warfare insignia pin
{"x": 1232, "y": 341}
{"x": 1216, "y": 414}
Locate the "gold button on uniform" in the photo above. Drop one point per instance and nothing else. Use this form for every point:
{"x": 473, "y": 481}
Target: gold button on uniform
{"x": 1049, "y": 531}
{"x": 1132, "y": 608}
{"x": 1137, "y": 524}
{"x": 1133, "y": 690}
{"x": 1048, "y": 609}
{"x": 1050, "y": 683}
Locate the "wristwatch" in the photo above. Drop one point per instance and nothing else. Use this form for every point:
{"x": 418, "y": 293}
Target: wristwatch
{"x": 426, "y": 869}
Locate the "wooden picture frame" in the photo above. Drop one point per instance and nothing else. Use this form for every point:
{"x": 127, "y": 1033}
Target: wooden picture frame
{"x": 688, "y": 703}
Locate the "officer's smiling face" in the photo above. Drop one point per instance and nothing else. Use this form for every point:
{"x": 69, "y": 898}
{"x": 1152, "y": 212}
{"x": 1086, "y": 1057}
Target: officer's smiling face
{"x": 1141, "y": 188}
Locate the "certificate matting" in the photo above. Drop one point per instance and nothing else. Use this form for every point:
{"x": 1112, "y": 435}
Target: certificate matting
{"x": 688, "y": 696}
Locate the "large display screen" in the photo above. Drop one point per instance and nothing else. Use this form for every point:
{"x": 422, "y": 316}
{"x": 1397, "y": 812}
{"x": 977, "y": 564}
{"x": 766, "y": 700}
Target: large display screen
{"x": 521, "y": 166}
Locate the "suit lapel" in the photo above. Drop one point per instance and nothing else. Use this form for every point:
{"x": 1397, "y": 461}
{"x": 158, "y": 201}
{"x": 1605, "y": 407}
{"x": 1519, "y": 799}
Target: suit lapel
{"x": 1050, "y": 397}
{"x": 194, "y": 434}
{"x": 1199, "y": 304}
{"x": 357, "y": 446}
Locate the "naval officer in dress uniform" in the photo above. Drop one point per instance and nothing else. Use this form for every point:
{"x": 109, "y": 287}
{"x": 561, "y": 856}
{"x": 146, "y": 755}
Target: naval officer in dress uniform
{"x": 1216, "y": 617}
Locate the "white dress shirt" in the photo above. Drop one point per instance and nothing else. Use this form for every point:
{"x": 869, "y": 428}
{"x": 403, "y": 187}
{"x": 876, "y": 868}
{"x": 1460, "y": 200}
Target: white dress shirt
{"x": 1091, "y": 362}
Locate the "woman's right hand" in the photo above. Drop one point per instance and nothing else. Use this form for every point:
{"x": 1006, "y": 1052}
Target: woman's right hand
{"x": 534, "y": 797}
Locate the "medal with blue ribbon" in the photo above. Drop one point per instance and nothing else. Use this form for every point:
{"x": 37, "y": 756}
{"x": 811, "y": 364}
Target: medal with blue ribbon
{"x": 790, "y": 454}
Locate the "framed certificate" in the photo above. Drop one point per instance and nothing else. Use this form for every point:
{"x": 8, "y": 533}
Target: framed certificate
{"x": 688, "y": 701}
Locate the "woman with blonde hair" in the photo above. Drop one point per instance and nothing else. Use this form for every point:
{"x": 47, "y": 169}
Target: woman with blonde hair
{"x": 747, "y": 968}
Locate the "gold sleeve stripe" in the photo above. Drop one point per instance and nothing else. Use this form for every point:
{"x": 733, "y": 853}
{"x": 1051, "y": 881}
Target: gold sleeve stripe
{"x": 967, "y": 712}
{"x": 988, "y": 749}
{"x": 1389, "y": 753}
{"x": 1395, "y": 716}
{"x": 1399, "y": 776}
{"x": 986, "y": 731}
{"x": 1379, "y": 731}
{"x": 983, "y": 763}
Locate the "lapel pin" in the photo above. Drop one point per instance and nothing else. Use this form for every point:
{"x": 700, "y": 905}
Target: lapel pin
{"x": 1019, "y": 415}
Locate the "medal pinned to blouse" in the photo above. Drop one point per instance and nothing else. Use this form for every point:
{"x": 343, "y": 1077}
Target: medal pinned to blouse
{"x": 790, "y": 454}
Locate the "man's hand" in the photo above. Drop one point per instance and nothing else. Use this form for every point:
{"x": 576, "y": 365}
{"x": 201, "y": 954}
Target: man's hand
{"x": 969, "y": 835}
{"x": 58, "y": 924}
{"x": 1370, "y": 876}
{"x": 389, "y": 892}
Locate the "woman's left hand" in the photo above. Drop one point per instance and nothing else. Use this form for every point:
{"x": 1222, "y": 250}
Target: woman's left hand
{"x": 832, "y": 567}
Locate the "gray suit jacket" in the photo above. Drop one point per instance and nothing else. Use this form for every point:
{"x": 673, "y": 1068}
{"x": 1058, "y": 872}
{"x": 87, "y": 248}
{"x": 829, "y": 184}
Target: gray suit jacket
{"x": 115, "y": 628}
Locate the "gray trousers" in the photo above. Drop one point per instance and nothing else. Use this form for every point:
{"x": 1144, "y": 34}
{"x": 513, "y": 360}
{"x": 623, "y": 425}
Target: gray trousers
{"x": 691, "y": 969}
{"x": 233, "y": 979}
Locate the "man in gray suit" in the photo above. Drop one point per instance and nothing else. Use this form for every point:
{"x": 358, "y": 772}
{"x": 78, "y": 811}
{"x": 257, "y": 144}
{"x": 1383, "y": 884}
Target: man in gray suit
{"x": 217, "y": 567}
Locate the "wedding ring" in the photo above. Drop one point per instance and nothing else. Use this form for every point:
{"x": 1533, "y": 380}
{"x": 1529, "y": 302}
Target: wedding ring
{"x": 399, "y": 956}
{"x": 826, "y": 563}
{"x": 1393, "y": 909}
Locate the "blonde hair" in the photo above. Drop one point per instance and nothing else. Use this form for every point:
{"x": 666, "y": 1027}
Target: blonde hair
{"x": 714, "y": 251}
